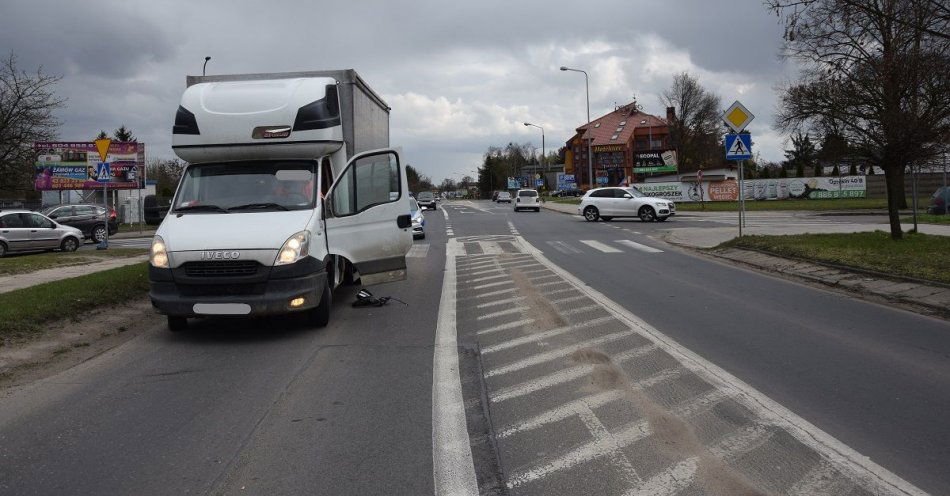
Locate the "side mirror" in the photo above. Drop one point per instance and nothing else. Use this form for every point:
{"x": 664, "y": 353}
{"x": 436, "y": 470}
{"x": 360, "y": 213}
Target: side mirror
{"x": 627, "y": 196}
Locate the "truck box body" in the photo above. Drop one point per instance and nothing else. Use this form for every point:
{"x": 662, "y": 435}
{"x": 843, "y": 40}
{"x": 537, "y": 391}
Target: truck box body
{"x": 365, "y": 116}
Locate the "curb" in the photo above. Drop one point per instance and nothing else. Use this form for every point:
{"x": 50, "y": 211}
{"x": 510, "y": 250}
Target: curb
{"x": 915, "y": 305}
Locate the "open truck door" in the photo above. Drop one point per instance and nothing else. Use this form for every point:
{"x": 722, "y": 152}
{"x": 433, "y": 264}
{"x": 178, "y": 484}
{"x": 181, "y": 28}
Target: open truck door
{"x": 367, "y": 216}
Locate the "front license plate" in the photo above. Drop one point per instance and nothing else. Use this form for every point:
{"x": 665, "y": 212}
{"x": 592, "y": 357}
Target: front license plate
{"x": 221, "y": 308}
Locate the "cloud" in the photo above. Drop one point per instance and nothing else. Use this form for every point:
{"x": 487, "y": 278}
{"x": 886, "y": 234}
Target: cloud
{"x": 459, "y": 76}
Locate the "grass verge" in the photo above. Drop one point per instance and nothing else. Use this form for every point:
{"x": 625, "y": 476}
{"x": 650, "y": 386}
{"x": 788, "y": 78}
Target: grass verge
{"x": 32, "y": 262}
{"x": 23, "y": 311}
{"x": 814, "y": 205}
{"x": 125, "y": 228}
{"x": 927, "y": 219}
{"x": 918, "y": 255}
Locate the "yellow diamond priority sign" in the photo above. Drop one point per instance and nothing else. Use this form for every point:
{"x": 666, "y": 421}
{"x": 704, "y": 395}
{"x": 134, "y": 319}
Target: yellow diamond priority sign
{"x": 737, "y": 117}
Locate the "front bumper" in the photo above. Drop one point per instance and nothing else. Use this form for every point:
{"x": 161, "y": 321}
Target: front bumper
{"x": 266, "y": 297}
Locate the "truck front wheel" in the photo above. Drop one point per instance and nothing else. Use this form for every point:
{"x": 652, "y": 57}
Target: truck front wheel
{"x": 320, "y": 316}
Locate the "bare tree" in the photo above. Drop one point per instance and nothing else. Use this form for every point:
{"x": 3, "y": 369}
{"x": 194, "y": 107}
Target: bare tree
{"x": 27, "y": 105}
{"x": 695, "y": 127}
{"x": 166, "y": 174}
{"x": 869, "y": 72}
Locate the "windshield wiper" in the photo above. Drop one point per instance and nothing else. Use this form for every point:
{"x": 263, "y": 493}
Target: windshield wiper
{"x": 257, "y": 205}
{"x": 202, "y": 207}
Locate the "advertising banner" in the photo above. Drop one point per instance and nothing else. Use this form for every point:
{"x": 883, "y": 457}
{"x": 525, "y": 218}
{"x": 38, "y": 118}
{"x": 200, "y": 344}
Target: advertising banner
{"x": 75, "y": 165}
{"x": 760, "y": 189}
{"x": 644, "y": 162}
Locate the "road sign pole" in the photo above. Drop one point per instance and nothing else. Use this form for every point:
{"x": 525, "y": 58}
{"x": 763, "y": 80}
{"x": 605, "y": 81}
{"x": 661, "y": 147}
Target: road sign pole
{"x": 741, "y": 203}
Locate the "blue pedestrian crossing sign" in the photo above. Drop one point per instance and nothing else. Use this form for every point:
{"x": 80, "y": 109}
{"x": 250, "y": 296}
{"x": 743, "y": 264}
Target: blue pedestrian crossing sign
{"x": 738, "y": 146}
{"x": 103, "y": 172}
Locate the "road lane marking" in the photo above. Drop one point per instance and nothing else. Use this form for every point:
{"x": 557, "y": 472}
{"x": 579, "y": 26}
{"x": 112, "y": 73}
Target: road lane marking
{"x": 505, "y": 327}
{"x": 453, "y": 471}
{"x": 544, "y": 335}
{"x": 557, "y": 353}
{"x": 563, "y": 247}
{"x": 499, "y": 302}
{"x": 486, "y": 278}
{"x": 418, "y": 251}
{"x": 566, "y": 410}
{"x": 638, "y": 246}
{"x": 574, "y": 311}
{"x": 821, "y": 479}
{"x": 496, "y": 293}
{"x": 860, "y": 469}
{"x": 501, "y": 313}
{"x": 490, "y": 285}
{"x": 569, "y": 299}
{"x": 486, "y": 271}
{"x": 597, "y": 245}
{"x": 625, "y": 437}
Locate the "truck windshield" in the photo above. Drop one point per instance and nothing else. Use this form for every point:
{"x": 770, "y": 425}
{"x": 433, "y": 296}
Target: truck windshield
{"x": 248, "y": 186}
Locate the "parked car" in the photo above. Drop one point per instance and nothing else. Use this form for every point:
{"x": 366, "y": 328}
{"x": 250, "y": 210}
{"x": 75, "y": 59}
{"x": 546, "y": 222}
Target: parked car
{"x": 563, "y": 193}
{"x": 427, "y": 200}
{"x": 607, "y": 203}
{"x": 527, "y": 199}
{"x": 494, "y": 196}
{"x": 155, "y": 208}
{"x": 503, "y": 197}
{"x": 22, "y": 230}
{"x": 90, "y": 219}
{"x": 940, "y": 201}
{"x": 418, "y": 220}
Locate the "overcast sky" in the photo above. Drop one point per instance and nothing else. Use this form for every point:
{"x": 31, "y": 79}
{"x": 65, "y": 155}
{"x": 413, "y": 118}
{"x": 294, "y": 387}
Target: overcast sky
{"x": 459, "y": 76}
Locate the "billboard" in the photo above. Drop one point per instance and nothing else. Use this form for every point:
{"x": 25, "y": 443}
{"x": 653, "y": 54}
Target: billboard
{"x": 664, "y": 161}
{"x": 566, "y": 181}
{"x": 760, "y": 189}
{"x": 74, "y": 165}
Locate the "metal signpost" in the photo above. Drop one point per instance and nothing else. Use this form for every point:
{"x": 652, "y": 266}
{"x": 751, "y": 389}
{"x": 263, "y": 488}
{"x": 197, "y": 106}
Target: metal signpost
{"x": 738, "y": 146}
{"x": 103, "y": 175}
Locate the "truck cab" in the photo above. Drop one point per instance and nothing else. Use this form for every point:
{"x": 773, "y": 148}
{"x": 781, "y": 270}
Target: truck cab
{"x": 276, "y": 208}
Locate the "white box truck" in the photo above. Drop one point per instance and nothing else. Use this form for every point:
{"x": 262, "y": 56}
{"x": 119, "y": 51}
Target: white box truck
{"x": 290, "y": 189}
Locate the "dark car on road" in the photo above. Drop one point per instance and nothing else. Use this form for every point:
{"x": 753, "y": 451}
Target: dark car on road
{"x": 940, "y": 201}
{"x": 90, "y": 219}
{"x": 427, "y": 200}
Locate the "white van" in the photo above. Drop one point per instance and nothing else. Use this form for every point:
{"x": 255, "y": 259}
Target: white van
{"x": 278, "y": 205}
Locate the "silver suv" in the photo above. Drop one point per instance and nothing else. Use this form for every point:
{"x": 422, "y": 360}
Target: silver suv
{"x": 22, "y": 230}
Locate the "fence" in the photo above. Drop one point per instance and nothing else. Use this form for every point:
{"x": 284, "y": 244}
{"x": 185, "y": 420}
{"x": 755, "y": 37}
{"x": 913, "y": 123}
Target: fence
{"x": 927, "y": 183}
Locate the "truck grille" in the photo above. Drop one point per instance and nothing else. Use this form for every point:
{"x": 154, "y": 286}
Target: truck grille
{"x": 228, "y": 268}
{"x": 198, "y": 290}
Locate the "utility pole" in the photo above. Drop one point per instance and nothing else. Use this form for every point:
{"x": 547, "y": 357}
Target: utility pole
{"x": 590, "y": 131}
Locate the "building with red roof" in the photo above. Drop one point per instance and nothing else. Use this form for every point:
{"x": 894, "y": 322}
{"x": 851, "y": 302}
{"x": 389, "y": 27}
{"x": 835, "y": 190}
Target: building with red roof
{"x": 627, "y": 145}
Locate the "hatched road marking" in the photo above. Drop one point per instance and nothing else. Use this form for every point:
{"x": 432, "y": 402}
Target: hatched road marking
{"x": 624, "y": 396}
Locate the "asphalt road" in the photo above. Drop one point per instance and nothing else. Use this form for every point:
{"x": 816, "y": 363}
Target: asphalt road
{"x": 875, "y": 378}
{"x": 242, "y": 407}
{"x": 593, "y": 359}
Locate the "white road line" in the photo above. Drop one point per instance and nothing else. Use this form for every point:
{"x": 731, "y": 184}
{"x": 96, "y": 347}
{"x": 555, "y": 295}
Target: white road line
{"x": 490, "y": 285}
{"x": 558, "y": 291}
{"x": 558, "y": 353}
{"x": 486, "y": 278}
{"x": 552, "y": 283}
{"x": 564, "y": 411}
{"x": 681, "y": 475}
{"x": 860, "y": 469}
{"x": 563, "y": 247}
{"x": 599, "y": 432}
{"x": 453, "y": 471}
{"x": 487, "y": 271}
{"x": 574, "y": 311}
{"x": 597, "y": 245}
{"x": 821, "y": 479}
{"x": 624, "y": 437}
{"x": 637, "y": 246}
{"x": 543, "y": 335}
{"x": 499, "y": 302}
{"x": 569, "y": 299}
{"x": 501, "y": 313}
{"x": 496, "y": 293}
{"x": 445, "y": 214}
{"x": 418, "y": 251}
{"x": 541, "y": 278}
{"x": 505, "y": 327}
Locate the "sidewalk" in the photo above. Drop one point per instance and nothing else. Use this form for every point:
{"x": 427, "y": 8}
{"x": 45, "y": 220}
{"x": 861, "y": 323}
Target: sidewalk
{"x": 148, "y": 232}
{"x": 20, "y": 281}
{"x": 932, "y": 299}
{"x": 710, "y": 237}
{"x": 564, "y": 208}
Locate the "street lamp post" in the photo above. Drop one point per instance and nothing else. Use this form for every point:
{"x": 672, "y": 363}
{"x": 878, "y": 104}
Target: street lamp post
{"x": 590, "y": 158}
{"x": 205, "y": 67}
{"x": 543, "y": 156}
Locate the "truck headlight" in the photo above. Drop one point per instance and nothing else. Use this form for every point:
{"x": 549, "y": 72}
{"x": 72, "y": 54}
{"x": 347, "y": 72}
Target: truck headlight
{"x": 157, "y": 256}
{"x": 295, "y": 248}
